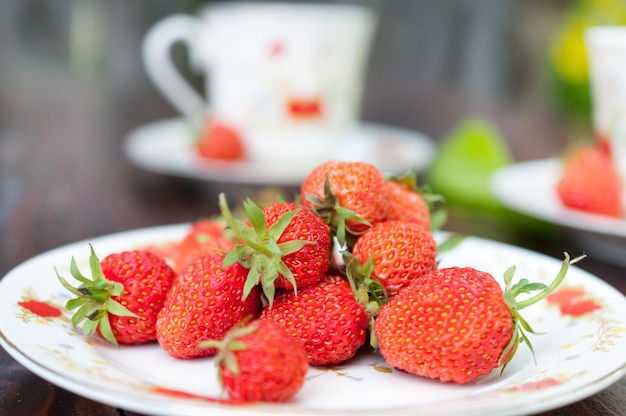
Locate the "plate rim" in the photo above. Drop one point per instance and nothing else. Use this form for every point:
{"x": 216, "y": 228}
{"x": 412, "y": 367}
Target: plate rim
{"x": 560, "y": 215}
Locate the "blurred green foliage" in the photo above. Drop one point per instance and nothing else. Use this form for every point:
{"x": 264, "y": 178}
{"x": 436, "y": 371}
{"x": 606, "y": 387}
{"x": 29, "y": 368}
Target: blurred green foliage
{"x": 461, "y": 173}
{"x": 567, "y": 62}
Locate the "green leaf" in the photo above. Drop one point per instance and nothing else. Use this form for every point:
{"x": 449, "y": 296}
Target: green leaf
{"x": 293, "y": 246}
{"x": 508, "y": 275}
{"x": 106, "y": 331}
{"x": 256, "y": 217}
{"x": 76, "y": 303}
{"x": 254, "y": 275}
{"x": 90, "y": 327}
{"x": 520, "y": 325}
{"x": 451, "y": 242}
{"x": 118, "y": 309}
{"x": 287, "y": 274}
{"x": 277, "y": 229}
{"x": 467, "y": 157}
{"x": 94, "y": 264}
{"x": 66, "y": 285}
{"x": 75, "y": 272}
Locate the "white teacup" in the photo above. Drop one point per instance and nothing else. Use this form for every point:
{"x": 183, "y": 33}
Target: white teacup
{"x": 288, "y": 77}
{"x": 606, "y": 51}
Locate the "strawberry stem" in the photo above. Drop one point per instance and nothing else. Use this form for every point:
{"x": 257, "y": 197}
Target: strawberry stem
{"x": 550, "y": 288}
{"x": 520, "y": 325}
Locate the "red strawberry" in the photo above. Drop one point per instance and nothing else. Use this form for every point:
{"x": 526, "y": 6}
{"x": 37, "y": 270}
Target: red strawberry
{"x": 123, "y": 299}
{"x": 350, "y": 196}
{"x": 205, "y": 302}
{"x": 205, "y": 236}
{"x": 455, "y": 324}
{"x": 326, "y": 318}
{"x": 590, "y": 183}
{"x": 284, "y": 245}
{"x": 219, "y": 141}
{"x": 401, "y": 251}
{"x": 405, "y": 204}
{"x": 409, "y": 202}
{"x": 260, "y": 362}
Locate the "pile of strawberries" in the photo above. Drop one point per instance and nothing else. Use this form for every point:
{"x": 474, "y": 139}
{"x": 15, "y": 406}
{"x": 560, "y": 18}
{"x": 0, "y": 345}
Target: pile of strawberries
{"x": 350, "y": 264}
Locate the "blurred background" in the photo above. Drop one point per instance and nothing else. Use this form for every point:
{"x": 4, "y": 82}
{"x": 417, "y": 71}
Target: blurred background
{"x": 71, "y": 72}
{"x": 511, "y": 52}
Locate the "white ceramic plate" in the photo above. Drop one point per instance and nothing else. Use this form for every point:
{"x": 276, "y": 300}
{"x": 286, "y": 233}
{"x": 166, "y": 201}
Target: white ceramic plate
{"x": 530, "y": 188}
{"x": 166, "y": 147}
{"x": 577, "y": 356}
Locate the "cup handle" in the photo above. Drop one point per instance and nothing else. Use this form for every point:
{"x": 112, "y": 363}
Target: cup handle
{"x": 161, "y": 70}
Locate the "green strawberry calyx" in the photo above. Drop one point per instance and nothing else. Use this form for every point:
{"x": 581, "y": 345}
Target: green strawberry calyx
{"x": 228, "y": 346}
{"x": 94, "y": 299}
{"x": 541, "y": 291}
{"x": 335, "y": 216}
{"x": 260, "y": 251}
{"x": 369, "y": 292}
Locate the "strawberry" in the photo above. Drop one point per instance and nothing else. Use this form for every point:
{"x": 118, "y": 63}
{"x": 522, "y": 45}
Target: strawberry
{"x": 456, "y": 324}
{"x": 259, "y": 362}
{"x": 220, "y": 141}
{"x": 204, "y": 236}
{"x": 590, "y": 183}
{"x": 401, "y": 251}
{"x": 284, "y": 245}
{"x": 205, "y": 302}
{"x": 123, "y": 299}
{"x": 326, "y": 318}
{"x": 406, "y": 204}
{"x": 350, "y": 196}
{"x": 409, "y": 202}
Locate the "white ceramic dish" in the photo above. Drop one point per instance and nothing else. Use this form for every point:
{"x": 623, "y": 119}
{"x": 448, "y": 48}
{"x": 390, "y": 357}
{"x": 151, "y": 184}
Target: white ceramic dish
{"x": 577, "y": 356}
{"x": 166, "y": 147}
{"x": 530, "y": 188}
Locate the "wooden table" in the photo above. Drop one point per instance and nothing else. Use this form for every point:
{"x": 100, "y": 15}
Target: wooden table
{"x": 63, "y": 178}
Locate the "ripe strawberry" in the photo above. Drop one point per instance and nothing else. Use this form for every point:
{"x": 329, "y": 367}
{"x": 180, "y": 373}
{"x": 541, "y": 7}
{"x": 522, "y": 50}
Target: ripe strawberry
{"x": 220, "y": 141}
{"x": 284, "y": 245}
{"x": 406, "y": 204}
{"x": 456, "y": 324}
{"x": 326, "y": 318}
{"x": 260, "y": 362}
{"x": 401, "y": 251}
{"x": 350, "y": 196}
{"x": 590, "y": 183}
{"x": 123, "y": 299}
{"x": 204, "y": 236}
{"x": 205, "y": 302}
{"x": 409, "y": 202}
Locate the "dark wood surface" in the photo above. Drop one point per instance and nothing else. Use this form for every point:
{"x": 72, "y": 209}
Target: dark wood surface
{"x": 63, "y": 178}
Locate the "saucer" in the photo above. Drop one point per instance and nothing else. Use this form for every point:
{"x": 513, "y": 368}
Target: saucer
{"x": 530, "y": 188}
{"x": 167, "y": 147}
